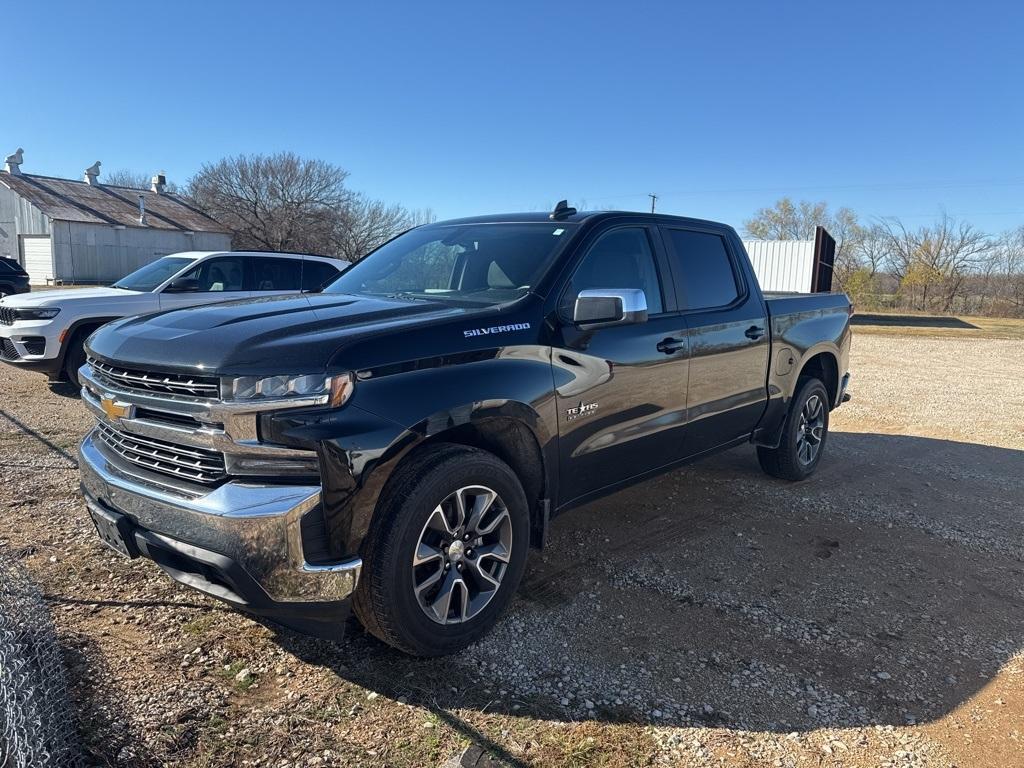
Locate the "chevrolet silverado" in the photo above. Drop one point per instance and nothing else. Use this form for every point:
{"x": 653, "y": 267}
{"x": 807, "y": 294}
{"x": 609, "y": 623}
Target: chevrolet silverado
{"x": 396, "y": 443}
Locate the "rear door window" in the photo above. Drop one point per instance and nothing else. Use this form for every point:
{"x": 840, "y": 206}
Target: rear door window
{"x": 220, "y": 275}
{"x": 275, "y": 274}
{"x": 704, "y": 271}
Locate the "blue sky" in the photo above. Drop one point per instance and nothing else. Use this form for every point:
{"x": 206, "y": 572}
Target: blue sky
{"x": 889, "y": 108}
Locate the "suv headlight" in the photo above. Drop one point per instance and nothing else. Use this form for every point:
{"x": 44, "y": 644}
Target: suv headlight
{"x": 335, "y": 388}
{"x": 36, "y": 313}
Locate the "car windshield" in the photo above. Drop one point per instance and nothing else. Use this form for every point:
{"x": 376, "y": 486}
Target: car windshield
{"x": 150, "y": 276}
{"x": 460, "y": 263}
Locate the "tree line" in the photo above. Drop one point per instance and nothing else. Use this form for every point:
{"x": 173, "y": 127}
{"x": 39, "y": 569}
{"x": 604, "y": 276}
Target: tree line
{"x": 284, "y": 202}
{"x": 946, "y": 266}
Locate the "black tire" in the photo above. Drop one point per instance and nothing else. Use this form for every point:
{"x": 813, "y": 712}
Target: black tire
{"x": 385, "y": 602}
{"x": 75, "y": 357}
{"x": 789, "y": 460}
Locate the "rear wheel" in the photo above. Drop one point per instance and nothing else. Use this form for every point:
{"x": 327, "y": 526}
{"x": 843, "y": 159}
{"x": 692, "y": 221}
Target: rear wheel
{"x": 803, "y": 438}
{"x": 445, "y": 552}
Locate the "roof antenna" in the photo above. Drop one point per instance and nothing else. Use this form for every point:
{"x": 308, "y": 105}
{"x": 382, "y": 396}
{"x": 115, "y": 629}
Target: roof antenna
{"x": 562, "y": 210}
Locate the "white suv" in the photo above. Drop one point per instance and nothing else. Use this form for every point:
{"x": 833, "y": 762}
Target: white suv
{"x": 45, "y": 331}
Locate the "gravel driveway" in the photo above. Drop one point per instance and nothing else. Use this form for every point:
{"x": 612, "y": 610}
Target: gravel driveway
{"x": 870, "y": 616}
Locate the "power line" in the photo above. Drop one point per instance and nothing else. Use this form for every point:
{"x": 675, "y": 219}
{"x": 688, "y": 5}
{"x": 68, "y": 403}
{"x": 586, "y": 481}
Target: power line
{"x": 949, "y": 184}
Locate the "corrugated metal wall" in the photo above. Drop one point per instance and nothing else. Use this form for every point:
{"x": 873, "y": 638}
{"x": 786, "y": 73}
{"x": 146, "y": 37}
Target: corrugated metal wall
{"x": 783, "y": 265}
{"x": 98, "y": 253}
{"x": 18, "y": 217}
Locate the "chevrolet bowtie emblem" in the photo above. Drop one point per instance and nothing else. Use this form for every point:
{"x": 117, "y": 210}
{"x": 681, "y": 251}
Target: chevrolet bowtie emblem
{"x": 115, "y": 410}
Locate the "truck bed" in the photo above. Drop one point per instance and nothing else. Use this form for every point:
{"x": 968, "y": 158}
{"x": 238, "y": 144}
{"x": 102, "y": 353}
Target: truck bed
{"x": 781, "y": 303}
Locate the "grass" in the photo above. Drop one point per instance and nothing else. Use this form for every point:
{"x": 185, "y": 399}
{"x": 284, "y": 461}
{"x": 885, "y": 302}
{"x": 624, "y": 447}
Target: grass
{"x": 200, "y": 625}
{"x": 230, "y": 670}
{"x": 984, "y": 328}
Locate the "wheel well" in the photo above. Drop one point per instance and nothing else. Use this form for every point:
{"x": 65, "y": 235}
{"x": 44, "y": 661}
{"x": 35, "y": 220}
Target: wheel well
{"x": 823, "y": 366}
{"x": 77, "y": 336}
{"x": 85, "y": 328}
{"x": 512, "y": 442}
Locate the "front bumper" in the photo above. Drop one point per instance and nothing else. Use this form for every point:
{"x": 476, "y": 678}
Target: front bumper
{"x": 32, "y": 346}
{"x": 241, "y": 541}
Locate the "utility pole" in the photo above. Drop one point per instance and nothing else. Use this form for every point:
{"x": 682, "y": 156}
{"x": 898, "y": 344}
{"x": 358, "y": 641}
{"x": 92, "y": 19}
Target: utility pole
{"x": 654, "y": 199}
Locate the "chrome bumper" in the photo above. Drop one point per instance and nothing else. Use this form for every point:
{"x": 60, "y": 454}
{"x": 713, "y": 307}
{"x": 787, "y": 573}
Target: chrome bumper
{"x": 256, "y": 526}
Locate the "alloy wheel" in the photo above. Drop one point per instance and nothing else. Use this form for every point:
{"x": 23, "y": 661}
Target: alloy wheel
{"x": 462, "y": 554}
{"x": 810, "y": 430}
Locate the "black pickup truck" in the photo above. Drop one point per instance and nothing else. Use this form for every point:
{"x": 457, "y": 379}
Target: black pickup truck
{"x": 397, "y": 442}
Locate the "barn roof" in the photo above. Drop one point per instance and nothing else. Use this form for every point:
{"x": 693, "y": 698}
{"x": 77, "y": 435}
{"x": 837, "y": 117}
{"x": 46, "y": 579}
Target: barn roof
{"x": 68, "y": 200}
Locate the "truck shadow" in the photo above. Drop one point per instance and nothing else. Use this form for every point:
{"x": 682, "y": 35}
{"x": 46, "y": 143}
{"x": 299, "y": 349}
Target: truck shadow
{"x": 885, "y": 590}
{"x": 911, "y": 321}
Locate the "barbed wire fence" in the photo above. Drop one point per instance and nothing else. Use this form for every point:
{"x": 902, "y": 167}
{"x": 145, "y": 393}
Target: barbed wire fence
{"x": 37, "y": 728}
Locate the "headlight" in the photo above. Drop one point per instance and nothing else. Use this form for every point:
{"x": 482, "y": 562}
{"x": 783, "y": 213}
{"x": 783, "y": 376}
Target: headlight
{"x": 335, "y": 389}
{"x": 36, "y": 313}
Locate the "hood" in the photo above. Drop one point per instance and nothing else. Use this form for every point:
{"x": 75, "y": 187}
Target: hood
{"x": 62, "y": 298}
{"x": 286, "y": 334}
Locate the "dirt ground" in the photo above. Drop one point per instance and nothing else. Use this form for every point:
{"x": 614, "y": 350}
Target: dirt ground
{"x": 870, "y": 616}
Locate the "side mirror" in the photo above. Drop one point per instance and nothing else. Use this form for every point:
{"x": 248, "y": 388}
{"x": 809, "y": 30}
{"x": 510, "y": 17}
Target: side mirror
{"x": 183, "y": 285}
{"x": 607, "y": 307}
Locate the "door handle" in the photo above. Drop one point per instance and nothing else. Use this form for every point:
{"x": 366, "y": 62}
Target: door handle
{"x": 670, "y": 346}
{"x": 754, "y": 332}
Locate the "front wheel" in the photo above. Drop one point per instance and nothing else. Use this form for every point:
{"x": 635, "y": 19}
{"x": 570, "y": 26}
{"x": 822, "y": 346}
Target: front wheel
{"x": 75, "y": 359}
{"x": 803, "y": 438}
{"x": 445, "y": 552}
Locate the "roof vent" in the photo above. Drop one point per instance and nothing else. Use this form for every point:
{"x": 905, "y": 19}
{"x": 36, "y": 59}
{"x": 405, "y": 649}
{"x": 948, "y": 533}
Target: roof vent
{"x": 92, "y": 173}
{"x": 562, "y": 210}
{"x": 159, "y": 184}
{"x": 13, "y": 162}
{"x": 142, "y": 210}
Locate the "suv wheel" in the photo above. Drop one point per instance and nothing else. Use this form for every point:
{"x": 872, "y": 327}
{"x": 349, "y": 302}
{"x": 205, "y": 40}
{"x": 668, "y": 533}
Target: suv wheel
{"x": 75, "y": 357}
{"x": 803, "y": 437}
{"x": 445, "y": 552}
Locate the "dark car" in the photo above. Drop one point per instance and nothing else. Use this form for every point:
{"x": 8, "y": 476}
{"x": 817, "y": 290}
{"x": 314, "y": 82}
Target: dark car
{"x": 13, "y": 277}
{"x": 398, "y": 442}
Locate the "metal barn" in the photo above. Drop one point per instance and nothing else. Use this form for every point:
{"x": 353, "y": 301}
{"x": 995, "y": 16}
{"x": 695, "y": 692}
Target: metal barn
{"x": 66, "y": 231}
{"x": 794, "y": 266}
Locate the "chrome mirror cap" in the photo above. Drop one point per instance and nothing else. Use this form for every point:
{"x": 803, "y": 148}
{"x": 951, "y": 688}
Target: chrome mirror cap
{"x": 607, "y": 307}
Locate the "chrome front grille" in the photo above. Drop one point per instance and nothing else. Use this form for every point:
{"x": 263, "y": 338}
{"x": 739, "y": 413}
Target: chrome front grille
{"x": 161, "y": 383}
{"x": 6, "y": 316}
{"x": 186, "y": 462}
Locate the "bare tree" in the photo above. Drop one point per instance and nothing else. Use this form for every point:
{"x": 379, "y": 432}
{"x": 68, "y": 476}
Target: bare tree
{"x": 787, "y": 220}
{"x": 275, "y": 202}
{"x": 366, "y": 224}
{"x": 934, "y": 259}
{"x": 124, "y": 177}
{"x": 872, "y": 249}
{"x": 1010, "y": 255}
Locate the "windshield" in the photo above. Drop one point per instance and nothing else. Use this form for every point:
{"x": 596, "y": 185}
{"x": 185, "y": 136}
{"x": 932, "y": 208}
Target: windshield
{"x": 459, "y": 263}
{"x": 150, "y": 276}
